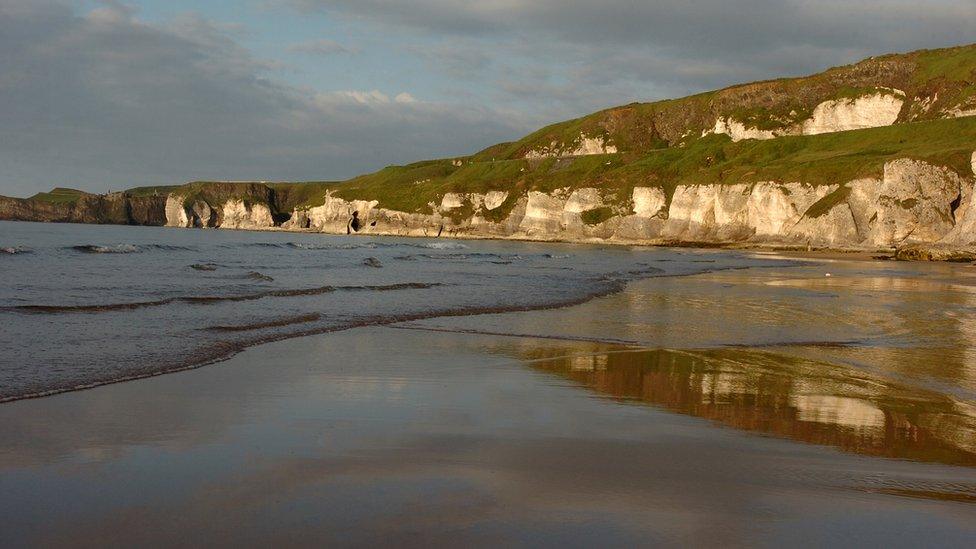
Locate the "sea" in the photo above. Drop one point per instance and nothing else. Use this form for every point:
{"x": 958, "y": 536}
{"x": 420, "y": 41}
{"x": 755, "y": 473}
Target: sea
{"x": 302, "y": 389}
{"x": 86, "y": 305}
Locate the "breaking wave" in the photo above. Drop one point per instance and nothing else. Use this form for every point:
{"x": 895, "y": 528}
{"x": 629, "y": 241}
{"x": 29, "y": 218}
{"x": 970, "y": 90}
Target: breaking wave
{"x": 125, "y": 248}
{"x": 254, "y": 275}
{"x": 209, "y": 300}
{"x": 277, "y": 323}
{"x": 443, "y": 246}
{"x": 496, "y": 258}
{"x": 13, "y": 250}
{"x": 98, "y": 249}
{"x": 368, "y": 245}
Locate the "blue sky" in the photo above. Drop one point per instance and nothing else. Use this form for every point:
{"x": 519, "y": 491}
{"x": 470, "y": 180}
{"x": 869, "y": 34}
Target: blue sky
{"x": 109, "y": 94}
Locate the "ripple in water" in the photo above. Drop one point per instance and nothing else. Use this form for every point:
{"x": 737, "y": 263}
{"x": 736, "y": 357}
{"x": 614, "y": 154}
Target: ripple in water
{"x": 151, "y": 304}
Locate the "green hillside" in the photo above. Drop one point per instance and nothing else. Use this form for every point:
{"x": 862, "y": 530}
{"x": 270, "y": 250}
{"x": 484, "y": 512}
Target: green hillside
{"x": 947, "y": 76}
{"x": 666, "y": 143}
{"x": 59, "y": 195}
{"x": 661, "y": 143}
{"x": 817, "y": 159}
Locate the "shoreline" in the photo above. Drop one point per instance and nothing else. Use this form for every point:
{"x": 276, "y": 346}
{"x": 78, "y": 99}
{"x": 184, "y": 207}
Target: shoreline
{"x": 219, "y": 356}
{"x": 448, "y": 438}
{"x": 882, "y": 254}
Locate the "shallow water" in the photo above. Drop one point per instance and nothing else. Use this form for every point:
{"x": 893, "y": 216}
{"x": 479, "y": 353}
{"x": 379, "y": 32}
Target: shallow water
{"x": 769, "y": 405}
{"x": 409, "y": 437}
{"x": 86, "y": 304}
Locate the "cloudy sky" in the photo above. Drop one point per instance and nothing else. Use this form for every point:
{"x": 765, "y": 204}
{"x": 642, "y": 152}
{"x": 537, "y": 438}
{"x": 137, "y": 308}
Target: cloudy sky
{"x": 104, "y": 95}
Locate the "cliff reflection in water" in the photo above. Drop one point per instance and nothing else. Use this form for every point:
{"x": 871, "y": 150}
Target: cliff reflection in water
{"x": 803, "y": 400}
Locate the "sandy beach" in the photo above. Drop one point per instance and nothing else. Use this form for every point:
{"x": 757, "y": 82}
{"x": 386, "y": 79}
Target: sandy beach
{"x": 626, "y": 420}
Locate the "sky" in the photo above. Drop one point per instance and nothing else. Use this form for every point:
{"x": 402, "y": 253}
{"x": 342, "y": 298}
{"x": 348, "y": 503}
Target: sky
{"x": 106, "y": 95}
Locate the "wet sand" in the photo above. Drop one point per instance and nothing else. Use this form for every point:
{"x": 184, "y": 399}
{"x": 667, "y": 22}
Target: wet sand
{"x": 753, "y": 407}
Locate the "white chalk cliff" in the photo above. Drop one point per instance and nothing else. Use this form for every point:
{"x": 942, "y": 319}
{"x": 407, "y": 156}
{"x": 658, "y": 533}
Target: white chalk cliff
{"x": 836, "y": 115}
{"x": 232, "y": 214}
{"x": 583, "y": 145}
{"x": 913, "y": 202}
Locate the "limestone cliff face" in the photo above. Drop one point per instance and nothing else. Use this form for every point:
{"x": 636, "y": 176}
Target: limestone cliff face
{"x": 912, "y": 203}
{"x": 232, "y": 214}
{"x": 580, "y": 146}
{"x": 836, "y": 115}
{"x": 221, "y": 204}
{"x": 237, "y": 214}
{"x": 963, "y": 233}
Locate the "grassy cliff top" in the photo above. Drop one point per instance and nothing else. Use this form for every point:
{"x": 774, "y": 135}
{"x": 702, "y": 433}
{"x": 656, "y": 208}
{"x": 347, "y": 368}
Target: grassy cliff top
{"x": 935, "y": 82}
{"x": 715, "y": 159}
{"x": 662, "y": 144}
{"x": 64, "y": 195}
{"x": 157, "y": 190}
{"x": 59, "y": 195}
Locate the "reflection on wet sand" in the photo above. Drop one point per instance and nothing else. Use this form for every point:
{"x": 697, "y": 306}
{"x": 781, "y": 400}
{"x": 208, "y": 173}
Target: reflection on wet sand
{"x": 791, "y": 397}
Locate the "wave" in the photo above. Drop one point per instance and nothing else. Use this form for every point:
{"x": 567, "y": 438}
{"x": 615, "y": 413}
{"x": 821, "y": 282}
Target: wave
{"x": 14, "y": 250}
{"x": 277, "y": 323}
{"x": 254, "y": 275}
{"x": 498, "y": 259}
{"x": 224, "y": 350}
{"x": 308, "y": 245}
{"x": 442, "y": 246}
{"x": 250, "y": 275}
{"x": 209, "y": 300}
{"x": 368, "y": 245}
{"x": 306, "y": 325}
{"x": 125, "y": 248}
{"x": 314, "y": 246}
{"x": 99, "y": 249}
{"x": 169, "y": 247}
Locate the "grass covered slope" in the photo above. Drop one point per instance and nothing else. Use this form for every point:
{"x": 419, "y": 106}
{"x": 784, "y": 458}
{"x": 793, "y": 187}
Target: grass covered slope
{"x": 936, "y": 83}
{"x": 668, "y": 143}
{"x": 715, "y": 159}
{"x": 59, "y": 195}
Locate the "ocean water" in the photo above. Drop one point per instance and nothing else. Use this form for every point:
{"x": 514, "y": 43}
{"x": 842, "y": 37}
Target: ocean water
{"x": 688, "y": 396}
{"x": 83, "y": 305}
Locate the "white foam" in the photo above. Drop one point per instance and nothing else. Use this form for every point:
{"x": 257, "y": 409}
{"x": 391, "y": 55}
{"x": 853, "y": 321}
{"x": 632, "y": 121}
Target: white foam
{"x": 444, "y": 246}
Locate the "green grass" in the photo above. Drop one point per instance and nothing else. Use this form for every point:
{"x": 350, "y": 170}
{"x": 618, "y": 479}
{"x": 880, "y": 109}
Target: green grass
{"x": 952, "y": 64}
{"x": 773, "y": 104}
{"x": 825, "y": 159}
{"x": 158, "y": 190}
{"x": 661, "y": 145}
{"x": 817, "y": 160}
{"x": 59, "y": 195}
{"x": 306, "y": 194}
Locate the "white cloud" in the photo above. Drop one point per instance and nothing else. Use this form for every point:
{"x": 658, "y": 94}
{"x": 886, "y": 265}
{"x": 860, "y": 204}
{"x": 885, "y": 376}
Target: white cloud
{"x": 366, "y": 97}
{"x": 103, "y": 100}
